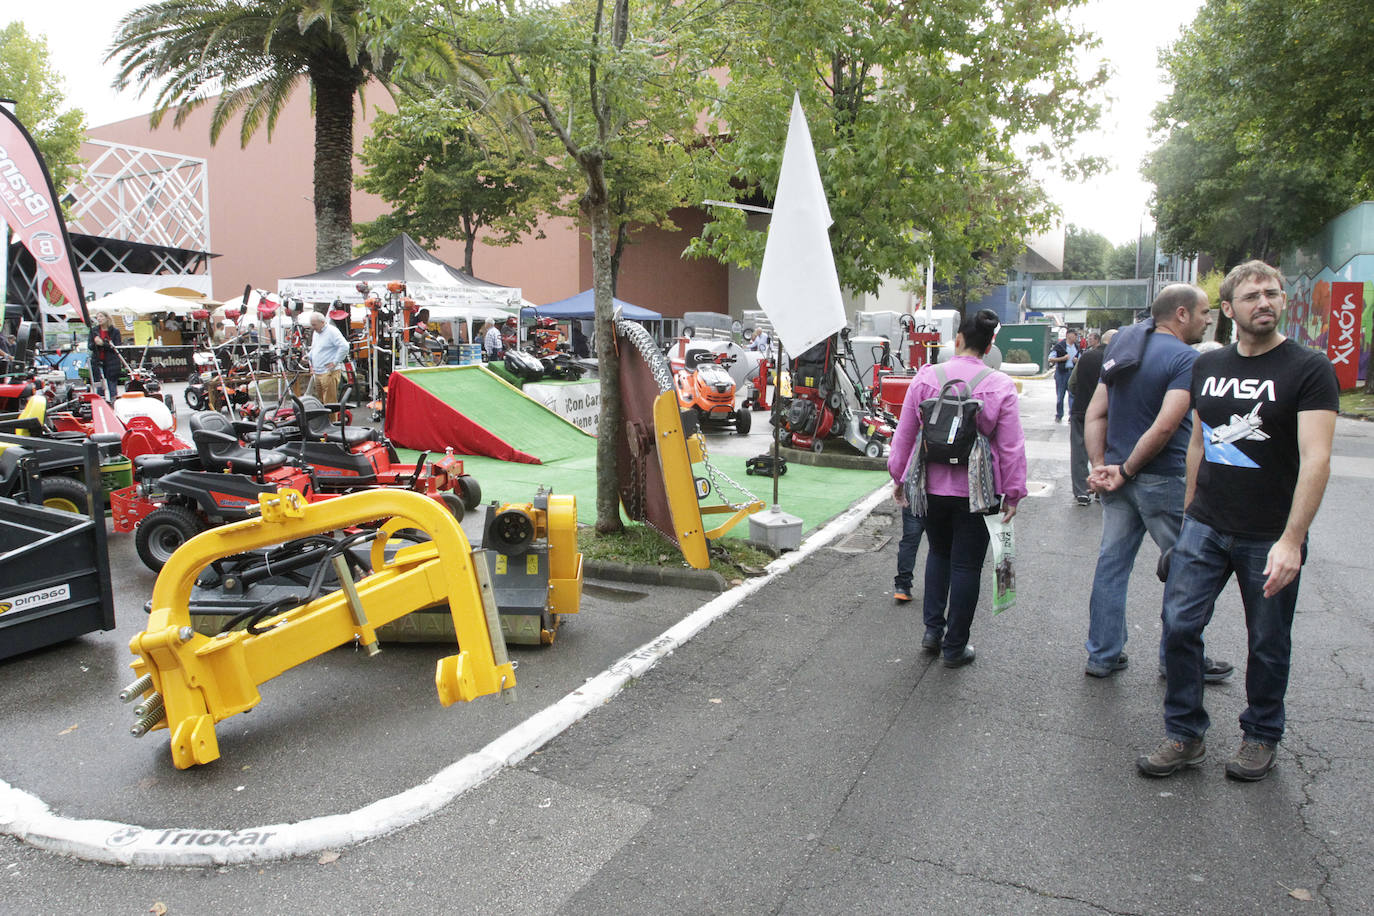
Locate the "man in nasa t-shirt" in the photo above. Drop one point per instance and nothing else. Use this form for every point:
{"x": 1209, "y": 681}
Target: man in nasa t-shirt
{"x": 1258, "y": 461}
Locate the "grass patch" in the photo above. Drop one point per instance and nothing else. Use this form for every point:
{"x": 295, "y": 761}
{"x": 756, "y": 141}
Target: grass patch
{"x": 640, "y": 545}
{"x": 1357, "y": 403}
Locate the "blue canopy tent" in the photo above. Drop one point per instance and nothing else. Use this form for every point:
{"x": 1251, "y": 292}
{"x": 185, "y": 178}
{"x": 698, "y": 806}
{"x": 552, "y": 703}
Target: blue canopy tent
{"x": 582, "y": 306}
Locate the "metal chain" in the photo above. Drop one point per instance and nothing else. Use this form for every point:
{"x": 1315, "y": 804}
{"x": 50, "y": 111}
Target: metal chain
{"x": 716, "y": 475}
{"x": 653, "y": 357}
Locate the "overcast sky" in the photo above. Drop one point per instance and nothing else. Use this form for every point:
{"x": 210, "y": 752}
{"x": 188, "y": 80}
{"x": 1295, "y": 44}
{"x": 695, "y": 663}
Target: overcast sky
{"x": 79, "y": 33}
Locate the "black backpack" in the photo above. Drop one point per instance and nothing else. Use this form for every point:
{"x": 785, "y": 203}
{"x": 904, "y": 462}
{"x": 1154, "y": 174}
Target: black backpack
{"x": 949, "y": 424}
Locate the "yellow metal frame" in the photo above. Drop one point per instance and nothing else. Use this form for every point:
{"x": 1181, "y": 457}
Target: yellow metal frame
{"x": 198, "y": 680}
{"x": 557, "y": 525}
{"x": 677, "y": 452}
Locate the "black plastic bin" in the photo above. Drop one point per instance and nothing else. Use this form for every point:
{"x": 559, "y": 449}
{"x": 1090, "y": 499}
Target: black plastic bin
{"x": 54, "y": 572}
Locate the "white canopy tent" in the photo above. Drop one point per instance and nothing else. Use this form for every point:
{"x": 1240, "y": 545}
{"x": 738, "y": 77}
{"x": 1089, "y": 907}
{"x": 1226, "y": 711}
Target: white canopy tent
{"x": 135, "y": 301}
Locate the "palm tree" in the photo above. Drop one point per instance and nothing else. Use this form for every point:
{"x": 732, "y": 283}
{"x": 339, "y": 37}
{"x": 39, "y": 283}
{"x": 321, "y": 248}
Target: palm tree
{"x": 248, "y": 56}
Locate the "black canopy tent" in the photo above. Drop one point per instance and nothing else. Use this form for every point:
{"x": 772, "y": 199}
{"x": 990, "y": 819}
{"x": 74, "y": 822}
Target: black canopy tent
{"x": 429, "y": 281}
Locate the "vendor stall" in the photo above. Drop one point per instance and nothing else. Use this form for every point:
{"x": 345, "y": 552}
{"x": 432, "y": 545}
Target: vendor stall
{"x": 429, "y": 281}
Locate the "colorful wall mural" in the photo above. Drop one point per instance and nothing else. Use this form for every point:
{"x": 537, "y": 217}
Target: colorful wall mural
{"x": 1342, "y": 252}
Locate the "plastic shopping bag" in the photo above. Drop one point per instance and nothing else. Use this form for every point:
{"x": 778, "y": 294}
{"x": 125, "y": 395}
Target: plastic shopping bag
{"x": 1003, "y": 562}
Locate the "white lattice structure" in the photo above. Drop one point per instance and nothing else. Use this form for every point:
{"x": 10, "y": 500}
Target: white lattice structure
{"x": 145, "y": 196}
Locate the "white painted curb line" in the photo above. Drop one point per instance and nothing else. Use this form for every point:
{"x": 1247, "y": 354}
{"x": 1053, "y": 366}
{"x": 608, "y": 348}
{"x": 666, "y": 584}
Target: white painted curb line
{"x": 28, "y": 818}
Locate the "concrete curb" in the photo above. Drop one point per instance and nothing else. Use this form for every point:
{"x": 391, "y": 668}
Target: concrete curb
{"x": 706, "y": 580}
{"x": 28, "y": 818}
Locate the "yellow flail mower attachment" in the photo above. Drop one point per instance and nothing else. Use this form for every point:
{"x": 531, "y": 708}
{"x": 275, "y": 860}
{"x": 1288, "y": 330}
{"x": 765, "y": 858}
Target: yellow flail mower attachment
{"x": 187, "y": 681}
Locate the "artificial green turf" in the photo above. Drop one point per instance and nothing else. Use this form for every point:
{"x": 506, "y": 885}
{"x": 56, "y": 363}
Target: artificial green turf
{"x": 517, "y": 419}
{"x": 813, "y": 494}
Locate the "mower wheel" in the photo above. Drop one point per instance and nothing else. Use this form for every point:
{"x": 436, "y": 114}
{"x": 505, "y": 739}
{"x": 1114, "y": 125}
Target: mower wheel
{"x": 161, "y": 532}
{"x": 785, "y": 439}
{"x": 874, "y": 449}
{"x": 195, "y": 398}
{"x": 66, "y": 494}
{"x": 818, "y": 446}
{"x": 470, "y": 490}
{"x": 743, "y": 420}
{"x": 835, "y": 399}
{"x": 454, "y": 504}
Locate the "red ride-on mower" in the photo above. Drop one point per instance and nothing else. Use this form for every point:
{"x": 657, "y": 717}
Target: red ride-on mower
{"x": 708, "y": 391}
{"x": 179, "y": 494}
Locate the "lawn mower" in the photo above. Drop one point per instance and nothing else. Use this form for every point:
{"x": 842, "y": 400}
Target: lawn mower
{"x": 347, "y": 457}
{"x": 829, "y": 400}
{"x": 705, "y": 389}
{"x": 525, "y": 366}
{"x": 561, "y": 366}
{"x": 220, "y": 479}
{"x": 57, "y": 438}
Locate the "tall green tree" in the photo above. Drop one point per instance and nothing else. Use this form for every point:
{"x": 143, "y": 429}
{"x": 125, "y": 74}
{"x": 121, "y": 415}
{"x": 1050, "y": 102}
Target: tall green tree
{"x": 925, "y": 117}
{"x": 249, "y": 57}
{"x": 1132, "y": 260}
{"x": 27, "y": 76}
{"x": 618, "y": 85}
{"x": 1266, "y": 133}
{"x": 1086, "y": 254}
{"x": 444, "y": 180}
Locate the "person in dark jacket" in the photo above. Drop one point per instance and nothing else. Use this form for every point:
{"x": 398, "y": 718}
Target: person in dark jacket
{"x": 1082, "y": 384}
{"x": 104, "y": 363}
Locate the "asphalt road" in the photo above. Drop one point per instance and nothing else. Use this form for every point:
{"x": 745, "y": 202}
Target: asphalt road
{"x": 801, "y": 755}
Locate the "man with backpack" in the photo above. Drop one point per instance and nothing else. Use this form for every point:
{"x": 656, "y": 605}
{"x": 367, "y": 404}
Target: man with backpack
{"x": 1136, "y": 431}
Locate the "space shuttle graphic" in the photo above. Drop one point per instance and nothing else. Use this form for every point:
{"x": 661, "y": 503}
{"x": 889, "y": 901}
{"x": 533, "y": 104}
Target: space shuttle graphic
{"x": 1246, "y": 427}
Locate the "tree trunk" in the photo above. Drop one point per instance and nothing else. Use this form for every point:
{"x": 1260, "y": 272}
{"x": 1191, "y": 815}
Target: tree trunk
{"x": 333, "y": 172}
{"x": 597, "y": 206}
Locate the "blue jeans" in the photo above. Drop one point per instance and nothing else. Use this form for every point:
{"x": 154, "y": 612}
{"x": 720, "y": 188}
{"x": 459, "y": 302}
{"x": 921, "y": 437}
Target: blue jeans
{"x": 958, "y": 544}
{"x": 1061, "y": 387}
{"x": 913, "y": 526}
{"x": 1150, "y": 502}
{"x": 1203, "y": 560}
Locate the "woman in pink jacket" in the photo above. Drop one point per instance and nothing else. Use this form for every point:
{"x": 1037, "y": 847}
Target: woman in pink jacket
{"x": 957, "y": 538}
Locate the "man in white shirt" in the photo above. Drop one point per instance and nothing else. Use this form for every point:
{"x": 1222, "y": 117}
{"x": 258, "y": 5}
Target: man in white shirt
{"x": 328, "y": 350}
{"x": 493, "y": 347}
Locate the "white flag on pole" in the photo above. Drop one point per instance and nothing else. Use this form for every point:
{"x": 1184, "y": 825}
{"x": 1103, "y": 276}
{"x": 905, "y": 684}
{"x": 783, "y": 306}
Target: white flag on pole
{"x": 799, "y": 289}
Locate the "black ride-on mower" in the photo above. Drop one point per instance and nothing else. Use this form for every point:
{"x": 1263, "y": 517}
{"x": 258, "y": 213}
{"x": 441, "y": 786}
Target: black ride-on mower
{"x": 181, "y": 493}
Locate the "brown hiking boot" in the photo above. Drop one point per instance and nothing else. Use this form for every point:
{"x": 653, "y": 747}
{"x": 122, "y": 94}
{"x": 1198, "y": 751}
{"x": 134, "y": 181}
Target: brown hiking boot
{"x": 1171, "y": 756}
{"x": 1252, "y": 761}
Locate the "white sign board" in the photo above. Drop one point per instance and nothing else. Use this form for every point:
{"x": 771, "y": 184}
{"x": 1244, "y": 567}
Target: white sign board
{"x": 579, "y": 403}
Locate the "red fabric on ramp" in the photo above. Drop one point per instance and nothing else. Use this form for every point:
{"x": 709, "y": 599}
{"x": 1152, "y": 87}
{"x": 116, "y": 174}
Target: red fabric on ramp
{"x": 417, "y": 419}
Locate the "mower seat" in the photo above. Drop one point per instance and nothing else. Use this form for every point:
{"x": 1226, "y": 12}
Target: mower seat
{"x": 219, "y": 447}
{"x": 317, "y": 421}
{"x": 151, "y": 466}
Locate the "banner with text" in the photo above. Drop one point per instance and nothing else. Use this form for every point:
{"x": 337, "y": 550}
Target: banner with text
{"x": 1343, "y": 335}
{"x": 28, "y": 205}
